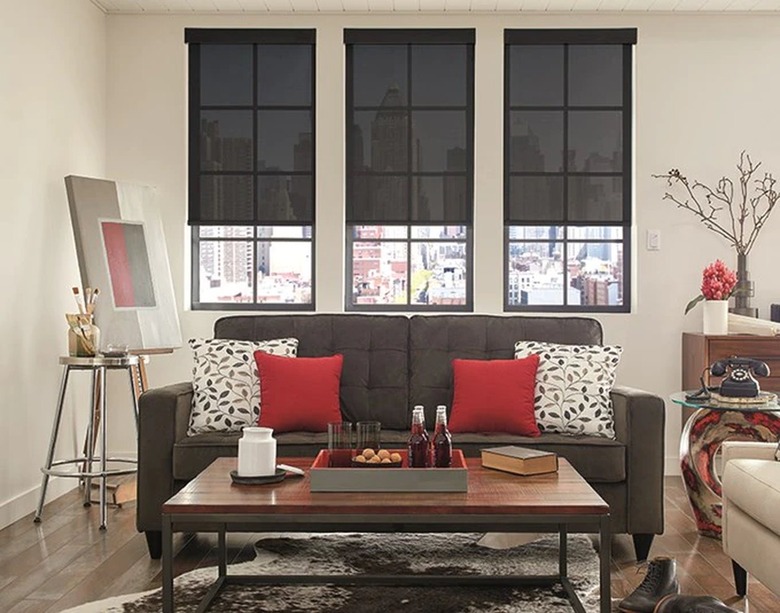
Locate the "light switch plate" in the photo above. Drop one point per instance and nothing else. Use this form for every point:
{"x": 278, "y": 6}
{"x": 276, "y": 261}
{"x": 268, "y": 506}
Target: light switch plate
{"x": 653, "y": 240}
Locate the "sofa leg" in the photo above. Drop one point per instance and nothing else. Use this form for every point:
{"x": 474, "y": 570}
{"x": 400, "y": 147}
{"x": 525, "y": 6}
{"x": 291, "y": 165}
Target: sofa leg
{"x": 642, "y": 543}
{"x": 740, "y": 579}
{"x": 154, "y": 543}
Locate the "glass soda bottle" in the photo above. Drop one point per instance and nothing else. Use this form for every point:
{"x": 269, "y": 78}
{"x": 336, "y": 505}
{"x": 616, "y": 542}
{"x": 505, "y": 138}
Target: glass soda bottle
{"x": 442, "y": 440}
{"x": 419, "y": 441}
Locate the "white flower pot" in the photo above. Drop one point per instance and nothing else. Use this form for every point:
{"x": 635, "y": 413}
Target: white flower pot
{"x": 257, "y": 453}
{"x": 716, "y": 317}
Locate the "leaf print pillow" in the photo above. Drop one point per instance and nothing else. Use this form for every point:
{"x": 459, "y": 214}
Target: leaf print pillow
{"x": 573, "y": 385}
{"x": 226, "y": 390}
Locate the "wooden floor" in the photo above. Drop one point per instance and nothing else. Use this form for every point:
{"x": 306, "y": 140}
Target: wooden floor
{"x": 66, "y": 560}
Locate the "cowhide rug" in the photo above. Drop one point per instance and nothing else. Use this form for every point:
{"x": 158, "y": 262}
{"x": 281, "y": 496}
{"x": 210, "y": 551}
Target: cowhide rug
{"x": 382, "y": 554}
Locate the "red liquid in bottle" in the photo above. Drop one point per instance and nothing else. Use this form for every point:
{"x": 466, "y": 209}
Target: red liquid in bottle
{"x": 419, "y": 442}
{"x": 442, "y": 441}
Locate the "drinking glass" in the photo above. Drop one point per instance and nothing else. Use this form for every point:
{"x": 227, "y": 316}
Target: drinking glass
{"x": 340, "y": 443}
{"x": 368, "y": 435}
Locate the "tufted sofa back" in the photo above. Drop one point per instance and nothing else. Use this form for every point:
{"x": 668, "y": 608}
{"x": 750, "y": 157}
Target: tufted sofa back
{"x": 392, "y": 362}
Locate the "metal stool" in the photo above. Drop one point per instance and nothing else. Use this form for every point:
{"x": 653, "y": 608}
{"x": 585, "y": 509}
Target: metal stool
{"x": 98, "y": 366}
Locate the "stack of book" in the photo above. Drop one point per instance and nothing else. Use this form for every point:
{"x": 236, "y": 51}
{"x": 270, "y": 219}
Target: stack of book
{"x": 520, "y": 460}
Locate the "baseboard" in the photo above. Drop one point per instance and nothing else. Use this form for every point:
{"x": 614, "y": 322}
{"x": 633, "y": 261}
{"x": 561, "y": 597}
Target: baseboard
{"x": 26, "y": 502}
{"x": 672, "y": 466}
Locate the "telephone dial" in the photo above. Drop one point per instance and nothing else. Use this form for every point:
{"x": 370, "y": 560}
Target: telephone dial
{"x": 740, "y": 376}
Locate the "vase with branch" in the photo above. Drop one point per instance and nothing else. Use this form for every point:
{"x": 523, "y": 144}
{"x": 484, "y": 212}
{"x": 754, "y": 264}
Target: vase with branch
{"x": 734, "y": 210}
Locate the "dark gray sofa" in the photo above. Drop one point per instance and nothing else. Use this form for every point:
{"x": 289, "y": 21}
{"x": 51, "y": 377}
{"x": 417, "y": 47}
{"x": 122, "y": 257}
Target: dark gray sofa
{"x": 392, "y": 362}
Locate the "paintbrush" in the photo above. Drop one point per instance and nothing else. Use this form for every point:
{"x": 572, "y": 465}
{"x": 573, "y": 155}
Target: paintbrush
{"x": 77, "y": 296}
{"x": 92, "y": 300}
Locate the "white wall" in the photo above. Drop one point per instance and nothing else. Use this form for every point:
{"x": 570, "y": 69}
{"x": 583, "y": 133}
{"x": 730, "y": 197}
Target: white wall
{"x": 52, "y": 122}
{"x": 706, "y": 88}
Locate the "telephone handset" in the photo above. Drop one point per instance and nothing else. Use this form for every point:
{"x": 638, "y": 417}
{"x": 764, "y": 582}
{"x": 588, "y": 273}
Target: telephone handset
{"x": 740, "y": 380}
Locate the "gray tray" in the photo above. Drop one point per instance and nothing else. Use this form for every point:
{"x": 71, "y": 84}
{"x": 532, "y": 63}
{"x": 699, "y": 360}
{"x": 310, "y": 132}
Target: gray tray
{"x": 326, "y": 479}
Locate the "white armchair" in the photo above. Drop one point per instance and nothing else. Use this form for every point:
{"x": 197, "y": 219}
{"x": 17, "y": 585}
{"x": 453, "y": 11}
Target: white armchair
{"x": 751, "y": 512}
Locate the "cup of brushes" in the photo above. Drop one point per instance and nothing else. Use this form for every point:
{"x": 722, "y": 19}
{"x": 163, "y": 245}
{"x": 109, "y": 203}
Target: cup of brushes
{"x": 83, "y": 334}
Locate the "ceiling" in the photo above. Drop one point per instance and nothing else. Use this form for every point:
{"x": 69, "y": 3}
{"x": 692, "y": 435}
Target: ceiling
{"x": 430, "y": 6}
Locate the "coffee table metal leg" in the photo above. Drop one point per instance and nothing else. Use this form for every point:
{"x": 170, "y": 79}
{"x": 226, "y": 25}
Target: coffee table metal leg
{"x": 563, "y": 554}
{"x": 605, "y": 543}
{"x": 222, "y": 550}
{"x": 167, "y": 565}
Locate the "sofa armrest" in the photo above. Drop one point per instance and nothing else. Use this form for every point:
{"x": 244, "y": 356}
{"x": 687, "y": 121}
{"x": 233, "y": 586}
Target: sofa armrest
{"x": 640, "y": 423}
{"x": 164, "y": 415}
{"x": 747, "y": 450}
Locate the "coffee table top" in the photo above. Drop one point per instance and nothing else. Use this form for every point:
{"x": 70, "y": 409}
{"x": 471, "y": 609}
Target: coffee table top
{"x": 490, "y": 492}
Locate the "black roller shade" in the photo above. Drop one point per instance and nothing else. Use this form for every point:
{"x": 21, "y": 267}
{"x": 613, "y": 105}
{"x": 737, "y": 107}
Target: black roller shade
{"x": 410, "y": 126}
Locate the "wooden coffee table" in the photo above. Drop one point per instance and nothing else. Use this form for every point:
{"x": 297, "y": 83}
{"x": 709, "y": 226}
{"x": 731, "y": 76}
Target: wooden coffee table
{"x": 495, "y": 502}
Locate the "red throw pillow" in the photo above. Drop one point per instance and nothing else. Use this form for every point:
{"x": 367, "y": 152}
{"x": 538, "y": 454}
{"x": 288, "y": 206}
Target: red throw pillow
{"x": 298, "y": 394}
{"x": 494, "y": 396}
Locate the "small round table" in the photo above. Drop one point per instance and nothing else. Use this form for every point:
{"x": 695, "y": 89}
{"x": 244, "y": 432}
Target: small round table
{"x": 711, "y": 425}
{"x": 97, "y": 366}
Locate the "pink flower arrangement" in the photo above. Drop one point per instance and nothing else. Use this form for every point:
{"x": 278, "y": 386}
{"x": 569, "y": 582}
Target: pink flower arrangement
{"x": 717, "y": 283}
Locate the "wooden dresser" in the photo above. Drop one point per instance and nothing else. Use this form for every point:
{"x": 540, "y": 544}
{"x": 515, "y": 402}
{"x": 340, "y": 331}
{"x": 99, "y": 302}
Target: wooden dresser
{"x": 699, "y": 351}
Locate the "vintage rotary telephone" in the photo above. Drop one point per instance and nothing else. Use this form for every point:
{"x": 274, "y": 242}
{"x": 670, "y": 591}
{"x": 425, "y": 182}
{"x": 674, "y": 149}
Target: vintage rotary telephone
{"x": 740, "y": 382}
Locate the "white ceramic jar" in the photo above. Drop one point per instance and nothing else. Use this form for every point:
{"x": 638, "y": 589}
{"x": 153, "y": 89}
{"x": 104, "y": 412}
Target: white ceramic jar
{"x": 256, "y": 452}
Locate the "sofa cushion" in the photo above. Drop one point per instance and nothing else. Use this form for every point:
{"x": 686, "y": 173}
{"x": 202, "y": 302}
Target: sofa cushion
{"x": 374, "y": 380}
{"x": 299, "y": 393}
{"x": 435, "y": 340}
{"x": 598, "y": 460}
{"x": 494, "y": 396}
{"x": 226, "y": 390}
{"x": 754, "y": 486}
{"x": 573, "y": 386}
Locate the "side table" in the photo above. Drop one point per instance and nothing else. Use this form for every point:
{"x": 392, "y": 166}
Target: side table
{"x": 710, "y": 425}
{"x": 98, "y": 366}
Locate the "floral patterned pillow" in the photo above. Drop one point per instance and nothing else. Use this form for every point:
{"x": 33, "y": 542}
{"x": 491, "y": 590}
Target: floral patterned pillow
{"x": 573, "y": 385}
{"x": 226, "y": 389}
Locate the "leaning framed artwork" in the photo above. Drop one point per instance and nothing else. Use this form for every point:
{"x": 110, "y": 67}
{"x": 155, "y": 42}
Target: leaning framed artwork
{"x": 121, "y": 249}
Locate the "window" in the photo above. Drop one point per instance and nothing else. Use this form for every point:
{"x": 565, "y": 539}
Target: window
{"x": 251, "y": 168}
{"x": 567, "y": 163}
{"x": 410, "y": 168}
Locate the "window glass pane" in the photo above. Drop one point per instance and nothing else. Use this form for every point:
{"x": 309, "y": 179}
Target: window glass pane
{"x": 381, "y": 141}
{"x": 535, "y": 233}
{"x": 596, "y": 141}
{"x": 301, "y": 232}
{"x": 226, "y": 140}
{"x": 226, "y": 74}
{"x": 284, "y": 272}
{"x": 225, "y": 271}
{"x": 225, "y": 231}
{"x": 438, "y": 273}
{"x": 284, "y": 75}
{"x": 226, "y": 197}
{"x": 535, "y": 274}
{"x": 595, "y": 75}
{"x": 536, "y": 141}
{"x": 439, "y": 141}
{"x": 284, "y": 140}
{"x": 379, "y": 232}
{"x": 439, "y": 75}
{"x": 440, "y": 198}
{"x": 284, "y": 198}
{"x": 439, "y": 232}
{"x": 535, "y": 198}
{"x": 379, "y": 198}
{"x": 379, "y": 273}
{"x": 379, "y": 75}
{"x": 595, "y": 198}
{"x": 536, "y": 75}
{"x": 595, "y": 233}
{"x": 596, "y": 272}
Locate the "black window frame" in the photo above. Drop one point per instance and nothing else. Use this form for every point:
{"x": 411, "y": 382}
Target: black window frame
{"x": 256, "y": 37}
{"x": 409, "y": 37}
{"x": 626, "y": 37}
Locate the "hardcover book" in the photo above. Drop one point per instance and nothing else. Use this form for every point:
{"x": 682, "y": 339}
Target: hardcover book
{"x": 520, "y": 460}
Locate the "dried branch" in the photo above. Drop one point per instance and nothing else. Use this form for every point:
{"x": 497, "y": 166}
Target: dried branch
{"x": 747, "y": 215}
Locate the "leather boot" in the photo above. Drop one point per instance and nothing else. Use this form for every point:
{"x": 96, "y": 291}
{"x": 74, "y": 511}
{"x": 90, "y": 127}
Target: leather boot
{"x": 692, "y": 604}
{"x": 660, "y": 581}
